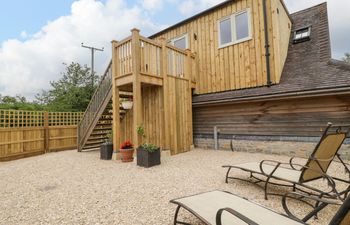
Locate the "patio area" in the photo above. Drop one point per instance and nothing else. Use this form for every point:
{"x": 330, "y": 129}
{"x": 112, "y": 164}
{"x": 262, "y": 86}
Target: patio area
{"x": 79, "y": 188}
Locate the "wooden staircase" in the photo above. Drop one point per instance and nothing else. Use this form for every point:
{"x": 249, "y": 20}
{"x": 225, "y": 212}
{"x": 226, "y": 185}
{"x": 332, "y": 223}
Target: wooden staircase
{"x": 98, "y": 117}
{"x": 96, "y": 122}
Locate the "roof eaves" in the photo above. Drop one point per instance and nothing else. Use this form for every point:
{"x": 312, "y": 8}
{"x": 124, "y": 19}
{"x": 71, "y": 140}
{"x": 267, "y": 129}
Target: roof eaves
{"x": 276, "y": 96}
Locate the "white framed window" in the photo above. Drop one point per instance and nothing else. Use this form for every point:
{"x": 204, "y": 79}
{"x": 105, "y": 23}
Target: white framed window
{"x": 180, "y": 42}
{"x": 235, "y": 28}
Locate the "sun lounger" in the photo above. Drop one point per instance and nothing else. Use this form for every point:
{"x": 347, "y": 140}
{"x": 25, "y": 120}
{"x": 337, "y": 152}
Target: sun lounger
{"x": 224, "y": 208}
{"x": 296, "y": 175}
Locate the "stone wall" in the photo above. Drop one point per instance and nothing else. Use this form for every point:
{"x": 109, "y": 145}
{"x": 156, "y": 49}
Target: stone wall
{"x": 290, "y": 148}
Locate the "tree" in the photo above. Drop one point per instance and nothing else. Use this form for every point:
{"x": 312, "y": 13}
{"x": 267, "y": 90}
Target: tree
{"x": 346, "y": 58}
{"x": 19, "y": 103}
{"x": 72, "y": 92}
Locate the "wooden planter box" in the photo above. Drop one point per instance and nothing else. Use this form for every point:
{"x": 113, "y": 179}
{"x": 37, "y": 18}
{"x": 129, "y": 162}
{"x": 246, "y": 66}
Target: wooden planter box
{"x": 106, "y": 151}
{"x": 147, "y": 159}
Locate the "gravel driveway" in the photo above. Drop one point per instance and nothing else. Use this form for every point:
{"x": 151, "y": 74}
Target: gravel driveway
{"x": 79, "y": 188}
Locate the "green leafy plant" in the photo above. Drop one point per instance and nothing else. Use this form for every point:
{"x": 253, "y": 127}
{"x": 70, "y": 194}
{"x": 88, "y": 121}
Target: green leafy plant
{"x": 150, "y": 147}
{"x": 147, "y": 146}
{"x": 141, "y": 130}
{"x": 109, "y": 136}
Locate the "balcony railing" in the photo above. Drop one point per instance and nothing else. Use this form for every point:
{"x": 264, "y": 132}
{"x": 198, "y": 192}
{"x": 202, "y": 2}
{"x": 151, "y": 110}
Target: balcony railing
{"x": 155, "y": 59}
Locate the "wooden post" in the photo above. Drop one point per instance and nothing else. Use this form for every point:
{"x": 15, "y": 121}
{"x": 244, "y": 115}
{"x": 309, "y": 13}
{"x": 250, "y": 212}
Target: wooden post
{"x": 115, "y": 103}
{"x": 136, "y": 86}
{"x": 164, "y": 72}
{"x": 188, "y": 62}
{"x": 46, "y": 132}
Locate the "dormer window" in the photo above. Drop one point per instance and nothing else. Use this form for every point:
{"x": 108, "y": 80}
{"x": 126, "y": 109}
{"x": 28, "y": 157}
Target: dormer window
{"x": 302, "y": 35}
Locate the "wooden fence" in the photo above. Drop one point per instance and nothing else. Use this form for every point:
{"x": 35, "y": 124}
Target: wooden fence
{"x": 27, "y": 133}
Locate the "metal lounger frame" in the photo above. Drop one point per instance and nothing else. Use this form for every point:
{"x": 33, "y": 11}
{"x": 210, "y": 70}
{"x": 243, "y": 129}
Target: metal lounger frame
{"x": 298, "y": 196}
{"x": 333, "y": 193}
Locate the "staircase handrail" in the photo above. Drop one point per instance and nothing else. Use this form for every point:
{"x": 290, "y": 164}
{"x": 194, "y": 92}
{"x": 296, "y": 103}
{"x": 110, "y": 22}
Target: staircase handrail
{"x": 96, "y": 101}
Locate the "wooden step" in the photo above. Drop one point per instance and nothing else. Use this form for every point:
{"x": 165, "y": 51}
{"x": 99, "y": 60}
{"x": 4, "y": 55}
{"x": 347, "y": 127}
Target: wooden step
{"x": 102, "y": 128}
{"x": 94, "y": 142}
{"x": 99, "y": 133}
{"x": 91, "y": 147}
{"x": 93, "y": 138}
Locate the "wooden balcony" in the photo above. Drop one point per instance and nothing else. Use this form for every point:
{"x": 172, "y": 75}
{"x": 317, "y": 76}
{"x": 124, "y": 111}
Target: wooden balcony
{"x": 137, "y": 57}
{"x": 161, "y": 78}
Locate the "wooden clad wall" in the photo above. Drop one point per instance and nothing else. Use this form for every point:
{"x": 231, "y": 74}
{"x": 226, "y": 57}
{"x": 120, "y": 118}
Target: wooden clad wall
{"x": 298, "y": 117}
{"x": 126, "y": 127}
{"x": 152, "y": 114}
{"x": 152, "y": 118}
{"x": 180, "y": 115}
{"x": 241, "y": 65}
{"x": 281, "y": 36}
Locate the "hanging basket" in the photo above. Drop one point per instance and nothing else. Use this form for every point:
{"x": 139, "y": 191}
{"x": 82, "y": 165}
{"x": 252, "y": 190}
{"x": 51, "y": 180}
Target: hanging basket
{"x": 127, "y": 104}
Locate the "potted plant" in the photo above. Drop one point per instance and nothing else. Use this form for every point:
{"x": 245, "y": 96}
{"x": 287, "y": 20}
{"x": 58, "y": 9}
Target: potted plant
{"x": 127, "y": 103}
{"x": 106, "y": 149}
{"x": 147, "y": 154}
{"x": 127, "y": 151}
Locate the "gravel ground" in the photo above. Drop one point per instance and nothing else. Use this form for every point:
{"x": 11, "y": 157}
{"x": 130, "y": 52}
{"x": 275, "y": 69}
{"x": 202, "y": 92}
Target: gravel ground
{"x": 79, "y": 188}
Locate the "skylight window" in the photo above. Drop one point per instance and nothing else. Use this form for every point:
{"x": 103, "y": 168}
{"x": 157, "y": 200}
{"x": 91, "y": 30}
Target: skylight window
{"x": 302, "y": 35}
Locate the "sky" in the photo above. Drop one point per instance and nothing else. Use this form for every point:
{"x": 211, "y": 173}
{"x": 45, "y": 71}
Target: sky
{"x": 38, "y": 36}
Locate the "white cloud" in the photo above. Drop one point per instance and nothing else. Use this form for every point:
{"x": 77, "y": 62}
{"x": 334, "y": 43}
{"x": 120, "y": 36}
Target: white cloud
{"x": 152, "y": 5}
{"x": 24, "y": 34}
{"x": 27, "y": 66}
{"x": 187, "y": 7}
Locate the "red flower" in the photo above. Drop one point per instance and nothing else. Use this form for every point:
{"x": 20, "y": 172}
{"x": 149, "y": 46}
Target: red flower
{"x": 126, "y": 145}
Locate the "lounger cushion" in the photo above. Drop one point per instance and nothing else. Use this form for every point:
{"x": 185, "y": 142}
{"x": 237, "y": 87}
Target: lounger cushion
{"x": 206, "y": 205}
{"x": 281, "y": 172}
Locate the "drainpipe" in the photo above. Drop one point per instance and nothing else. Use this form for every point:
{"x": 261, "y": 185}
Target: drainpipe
{"x": 267, "y": 45}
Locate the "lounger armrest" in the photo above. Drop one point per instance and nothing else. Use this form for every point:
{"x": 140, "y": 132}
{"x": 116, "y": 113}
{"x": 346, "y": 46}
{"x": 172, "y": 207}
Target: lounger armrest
{"x": 234, "y": 213}
{"x": 277, "y": 164}
{"x": 291, "y": 164}
{"x": 322, "y": 202}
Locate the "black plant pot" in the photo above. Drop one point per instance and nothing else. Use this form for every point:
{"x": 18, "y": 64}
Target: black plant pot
{"x": 106, "y": 151}
{"x": 147, "y": 159}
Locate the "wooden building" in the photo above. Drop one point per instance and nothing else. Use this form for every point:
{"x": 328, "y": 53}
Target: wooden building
{"x": 248, "y": 67}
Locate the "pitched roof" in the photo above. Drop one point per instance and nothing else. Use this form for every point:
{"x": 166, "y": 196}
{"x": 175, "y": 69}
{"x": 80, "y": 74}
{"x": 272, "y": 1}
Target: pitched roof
{"x": 308, "y": 67}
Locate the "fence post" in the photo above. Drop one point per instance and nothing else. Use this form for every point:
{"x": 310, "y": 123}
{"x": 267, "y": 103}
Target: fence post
{"x": 46, "y": 132}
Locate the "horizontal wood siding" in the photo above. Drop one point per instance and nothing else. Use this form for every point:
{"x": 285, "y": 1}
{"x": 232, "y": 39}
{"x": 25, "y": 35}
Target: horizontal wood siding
{"x": 299, "y": 117}
{"x": 237, "y": 66}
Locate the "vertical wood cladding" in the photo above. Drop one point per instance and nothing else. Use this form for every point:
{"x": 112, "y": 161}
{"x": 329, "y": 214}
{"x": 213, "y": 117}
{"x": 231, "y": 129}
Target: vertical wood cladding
{"x": 240, "y": 65}
{"x": 297, "y": 117}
